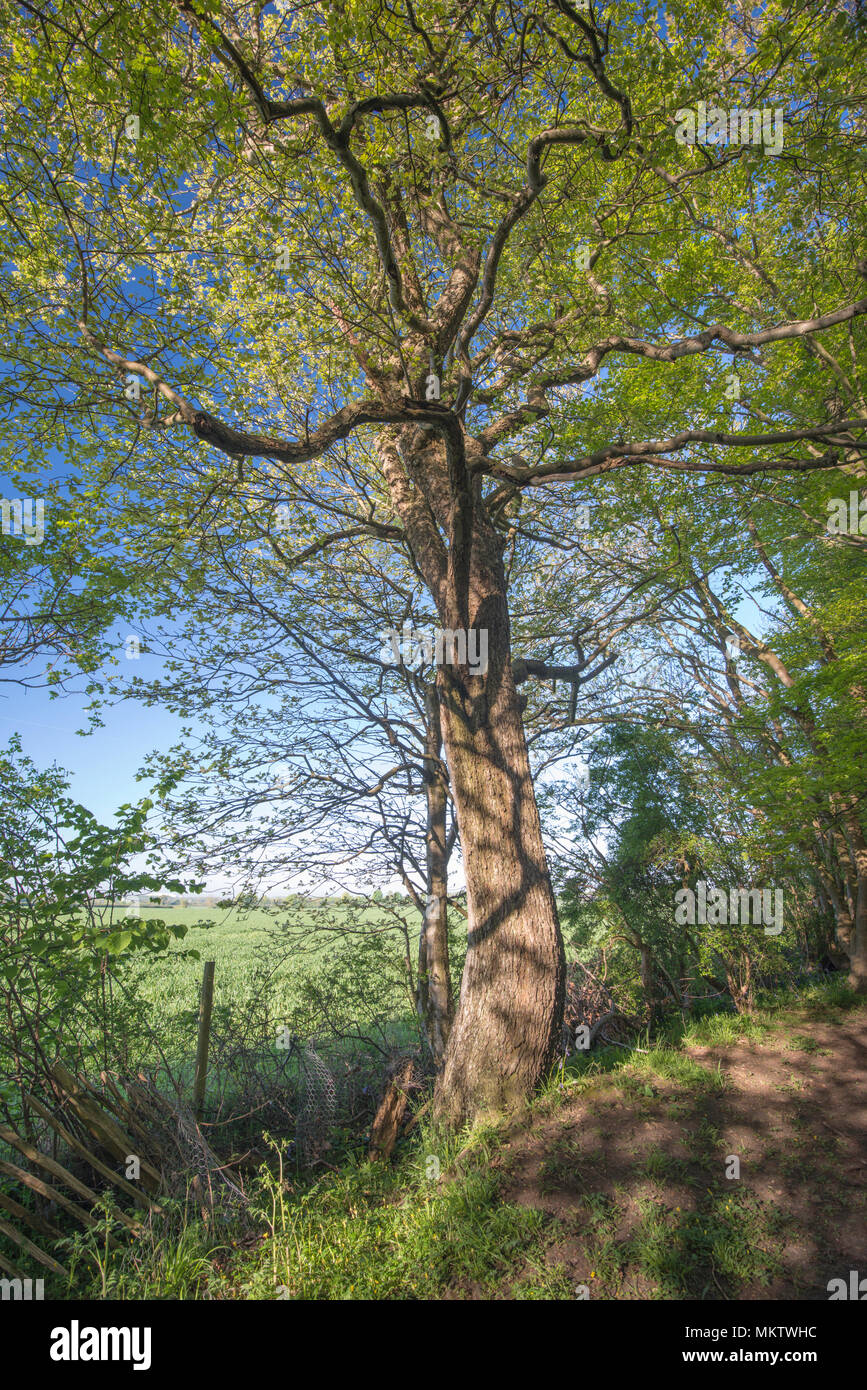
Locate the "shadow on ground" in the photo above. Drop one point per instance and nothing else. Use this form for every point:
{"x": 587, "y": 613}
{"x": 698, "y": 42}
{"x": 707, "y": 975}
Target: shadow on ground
{"x": 632, "y": 1170}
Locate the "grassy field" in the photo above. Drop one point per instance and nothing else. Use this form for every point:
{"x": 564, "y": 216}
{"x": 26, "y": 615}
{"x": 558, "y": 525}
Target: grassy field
{"x": 275, "y": 968}
{"x": 237, "y": 942}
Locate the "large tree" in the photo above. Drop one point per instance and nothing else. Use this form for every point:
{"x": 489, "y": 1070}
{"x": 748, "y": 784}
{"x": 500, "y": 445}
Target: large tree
{"x": 354, "y": 256}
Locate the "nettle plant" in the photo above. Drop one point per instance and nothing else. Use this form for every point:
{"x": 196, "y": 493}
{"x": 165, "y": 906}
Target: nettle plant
{"x": 65, "y": 880}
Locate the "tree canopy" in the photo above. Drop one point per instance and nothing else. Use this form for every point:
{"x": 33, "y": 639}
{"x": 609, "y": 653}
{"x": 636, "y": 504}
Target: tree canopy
{"x": 329, "y": 312}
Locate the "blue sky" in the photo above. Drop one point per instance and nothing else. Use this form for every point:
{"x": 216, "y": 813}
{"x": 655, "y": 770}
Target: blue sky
{"x": 103, "y": 765}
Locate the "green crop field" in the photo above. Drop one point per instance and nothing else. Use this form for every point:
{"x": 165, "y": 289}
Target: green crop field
{"x": 269, "y": 964}
{"x": 238, "y": 944}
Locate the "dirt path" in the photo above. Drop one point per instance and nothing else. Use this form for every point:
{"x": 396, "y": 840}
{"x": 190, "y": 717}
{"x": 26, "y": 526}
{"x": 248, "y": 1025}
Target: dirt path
{"x": 632, "y": 1171}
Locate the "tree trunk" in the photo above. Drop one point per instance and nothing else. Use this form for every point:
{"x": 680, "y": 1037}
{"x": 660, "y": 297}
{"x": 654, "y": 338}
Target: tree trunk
{"x": 434, "y": 978}
{"x": 507, "y": 1030}
{"x": 646, "y": 969}
{"x": 858, "y": 951}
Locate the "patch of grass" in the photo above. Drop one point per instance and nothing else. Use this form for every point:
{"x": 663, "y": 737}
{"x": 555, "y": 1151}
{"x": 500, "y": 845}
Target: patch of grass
{"x": 562, "y": 1167}
{"x": 716, "y": 1030}
{"x": 543, "y": 1282}
{"x": 173, "y": 1257}
{"x": 660, "y": 1166}
{"x": 801, "y": 1042}
{"x": 367, "y": 1232}
{"x": 604, "y": 1250}
{"x": 704, "y": 1140}
{"x": 728, "y": 1242}
{"x": 363, "y": 1234}
{"x": 824, "y": 1001}
{"x": 668, "y": 1064}
{"x": 793, "y": 1086}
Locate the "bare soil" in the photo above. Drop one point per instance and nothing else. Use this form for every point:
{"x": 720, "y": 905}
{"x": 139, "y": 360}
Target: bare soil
{"x": 633, "y": 1173}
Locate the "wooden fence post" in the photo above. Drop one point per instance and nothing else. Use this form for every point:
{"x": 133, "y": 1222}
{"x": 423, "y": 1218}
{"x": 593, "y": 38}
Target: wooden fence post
{"x": 205, "y": 1009}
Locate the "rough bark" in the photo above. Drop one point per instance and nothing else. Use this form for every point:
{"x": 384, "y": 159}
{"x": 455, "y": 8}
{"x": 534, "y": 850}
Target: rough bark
{"x": 647, "y": 982}
{"x": 389, "y": 1116}
{"x": 858, "y": 950}
{"x": 507, "y": 1029}
{"x": 434, "y": 996}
